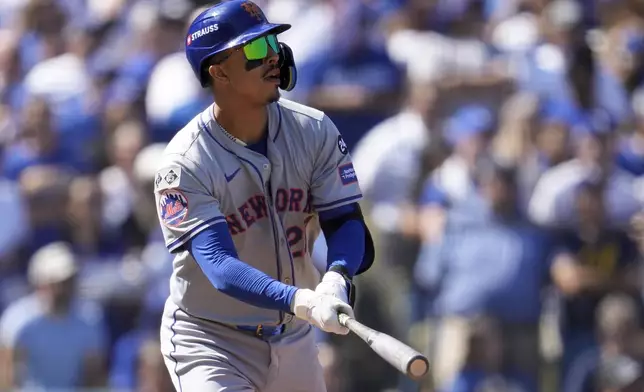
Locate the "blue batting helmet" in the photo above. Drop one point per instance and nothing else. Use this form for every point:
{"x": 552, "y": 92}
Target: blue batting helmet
{"x": 224, "y": 26}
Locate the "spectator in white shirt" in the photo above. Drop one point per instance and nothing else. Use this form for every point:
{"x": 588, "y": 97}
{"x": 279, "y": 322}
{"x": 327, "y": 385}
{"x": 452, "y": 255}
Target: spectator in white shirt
{"x": 387, "y": 158}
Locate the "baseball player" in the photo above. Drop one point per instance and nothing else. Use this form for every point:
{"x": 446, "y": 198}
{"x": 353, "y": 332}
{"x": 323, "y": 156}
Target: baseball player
{"x": 242, "y": 193}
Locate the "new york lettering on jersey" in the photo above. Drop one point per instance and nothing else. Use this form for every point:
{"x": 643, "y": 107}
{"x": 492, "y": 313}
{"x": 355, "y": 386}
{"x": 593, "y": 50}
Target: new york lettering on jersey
{"x": 286, "y": 200}
{"x": 270, "y": 204}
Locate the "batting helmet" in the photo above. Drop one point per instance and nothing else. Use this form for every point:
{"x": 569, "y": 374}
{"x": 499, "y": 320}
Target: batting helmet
{"x": 227, "y": 25}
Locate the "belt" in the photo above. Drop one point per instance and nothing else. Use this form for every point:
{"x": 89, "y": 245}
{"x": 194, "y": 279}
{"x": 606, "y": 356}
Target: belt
{"x": 262, "y": 331}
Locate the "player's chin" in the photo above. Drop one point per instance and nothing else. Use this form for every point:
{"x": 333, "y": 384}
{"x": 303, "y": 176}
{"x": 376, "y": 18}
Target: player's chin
{"x": 272, "y": 91}
{"x": 274, "y": 97}
{"x": 269, "y": 88}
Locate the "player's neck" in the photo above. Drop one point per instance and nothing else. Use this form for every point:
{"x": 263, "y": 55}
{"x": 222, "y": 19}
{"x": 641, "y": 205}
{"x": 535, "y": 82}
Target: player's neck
{"x": 246, "y": 123}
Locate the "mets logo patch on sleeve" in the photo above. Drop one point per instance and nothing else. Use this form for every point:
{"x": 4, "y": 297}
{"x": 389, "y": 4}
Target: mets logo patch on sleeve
{"x": 173, "y": 207}
{"x": 347, "y": 174}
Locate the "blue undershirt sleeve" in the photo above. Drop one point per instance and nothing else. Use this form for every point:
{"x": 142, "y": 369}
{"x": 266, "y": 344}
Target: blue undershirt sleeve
{"x": 346, "y": 245}
{"x": 214, "y": 251}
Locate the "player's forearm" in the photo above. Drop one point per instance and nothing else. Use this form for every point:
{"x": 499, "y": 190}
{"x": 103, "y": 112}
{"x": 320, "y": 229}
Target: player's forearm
{"x": 214, "y": 252}
{"x": 346, "y": 247}
{"x": 239, "y": 280}
{"x": 345, "y": 239}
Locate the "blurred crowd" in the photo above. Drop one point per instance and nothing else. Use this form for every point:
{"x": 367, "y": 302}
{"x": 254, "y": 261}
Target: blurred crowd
{"x": 499, "y": 146}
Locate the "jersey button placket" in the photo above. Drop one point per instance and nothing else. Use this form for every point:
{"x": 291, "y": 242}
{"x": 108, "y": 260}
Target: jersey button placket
{"x": 269, "y": 196}
{"x": 288, "y": 318}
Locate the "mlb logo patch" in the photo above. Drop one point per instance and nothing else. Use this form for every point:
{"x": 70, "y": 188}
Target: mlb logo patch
{"x": 173, "y": 207}
{"x": 347, "y": 174}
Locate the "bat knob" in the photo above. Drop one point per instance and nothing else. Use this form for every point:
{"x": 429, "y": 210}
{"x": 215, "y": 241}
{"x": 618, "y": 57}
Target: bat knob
{"x": 418, "y": 366}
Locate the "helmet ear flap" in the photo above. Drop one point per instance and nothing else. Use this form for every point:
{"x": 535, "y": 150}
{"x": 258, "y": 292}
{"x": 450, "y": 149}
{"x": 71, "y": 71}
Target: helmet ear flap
{"x": 288, "y": 71}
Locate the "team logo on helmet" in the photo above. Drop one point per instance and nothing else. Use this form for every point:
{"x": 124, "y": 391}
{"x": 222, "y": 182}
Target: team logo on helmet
{"x": 253, "y": 10}
{"x": 189, "y": 40}
{"x": 173, "y": 206}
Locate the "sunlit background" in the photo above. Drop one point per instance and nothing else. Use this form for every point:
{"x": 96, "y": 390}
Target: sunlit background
{"x": 499, "y": 145}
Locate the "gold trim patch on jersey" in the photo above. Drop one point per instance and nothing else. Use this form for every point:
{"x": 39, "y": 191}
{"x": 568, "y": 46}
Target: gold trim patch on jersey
{"x": 167, "y": 178}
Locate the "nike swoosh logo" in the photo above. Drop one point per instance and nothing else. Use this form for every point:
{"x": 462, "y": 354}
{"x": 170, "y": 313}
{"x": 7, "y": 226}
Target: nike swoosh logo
{"x": 230, "y": 177}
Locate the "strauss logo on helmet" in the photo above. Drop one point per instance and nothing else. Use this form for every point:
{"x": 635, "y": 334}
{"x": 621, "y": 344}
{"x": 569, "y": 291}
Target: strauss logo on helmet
{"x": 202, "y": 32}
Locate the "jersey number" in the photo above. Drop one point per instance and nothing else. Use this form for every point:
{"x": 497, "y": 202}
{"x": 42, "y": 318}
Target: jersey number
{"x": 295, "y": 235}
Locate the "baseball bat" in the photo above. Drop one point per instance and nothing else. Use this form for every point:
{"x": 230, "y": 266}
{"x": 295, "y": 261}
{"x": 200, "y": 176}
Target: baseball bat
{"x": 404, "y": 358}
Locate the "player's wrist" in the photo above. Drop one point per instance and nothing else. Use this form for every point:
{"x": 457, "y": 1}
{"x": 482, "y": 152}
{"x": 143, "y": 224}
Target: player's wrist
{"x": 338, "y": 274}
{"x": 290, "y": 299}
{"x": 341, "y": 269}
{"x": 334, "y": 278}
{"x": 302, "y": 302}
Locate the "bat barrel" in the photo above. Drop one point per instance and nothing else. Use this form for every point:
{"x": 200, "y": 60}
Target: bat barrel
{"x": 404, "y": 358}
{"x": 417, "y": 366}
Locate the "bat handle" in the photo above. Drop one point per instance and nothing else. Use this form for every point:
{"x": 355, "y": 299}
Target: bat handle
{"x": 343, "y": 318}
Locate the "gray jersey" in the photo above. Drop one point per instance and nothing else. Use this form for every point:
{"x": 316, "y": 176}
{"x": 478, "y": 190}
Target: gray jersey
{"x": 270, "y": 204}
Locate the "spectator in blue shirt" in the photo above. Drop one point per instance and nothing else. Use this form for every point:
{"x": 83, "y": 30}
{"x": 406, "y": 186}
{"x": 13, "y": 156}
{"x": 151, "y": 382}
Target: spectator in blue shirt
{"x": 442, "y": 191}
{"x": 465, "y": 132}
{"x": 490, "y": 261}
{"x": 44, "y": 189}
{"x": 592, "y": 261}
{"x": 39, "y": 144}
{"x": 354, "y": 81}
{"x": 50, "y": 339}
{"x": 125, "y": 365}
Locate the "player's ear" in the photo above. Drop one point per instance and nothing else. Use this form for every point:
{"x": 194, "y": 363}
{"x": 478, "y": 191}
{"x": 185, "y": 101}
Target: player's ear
{"x": 217, "y": 72}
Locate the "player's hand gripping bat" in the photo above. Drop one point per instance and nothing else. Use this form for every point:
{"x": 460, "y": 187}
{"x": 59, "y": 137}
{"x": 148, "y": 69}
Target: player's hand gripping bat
{"x": 404, "y": 358}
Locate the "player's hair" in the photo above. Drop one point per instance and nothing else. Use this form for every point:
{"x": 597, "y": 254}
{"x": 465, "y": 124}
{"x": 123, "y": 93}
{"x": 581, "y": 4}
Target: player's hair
{"x": 213, "y": 60}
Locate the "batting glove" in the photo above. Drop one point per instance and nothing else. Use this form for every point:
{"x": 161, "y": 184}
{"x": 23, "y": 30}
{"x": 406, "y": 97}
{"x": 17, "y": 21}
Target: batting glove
{"x": 335, "y": 285}
{"x": 320, "y": 310}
